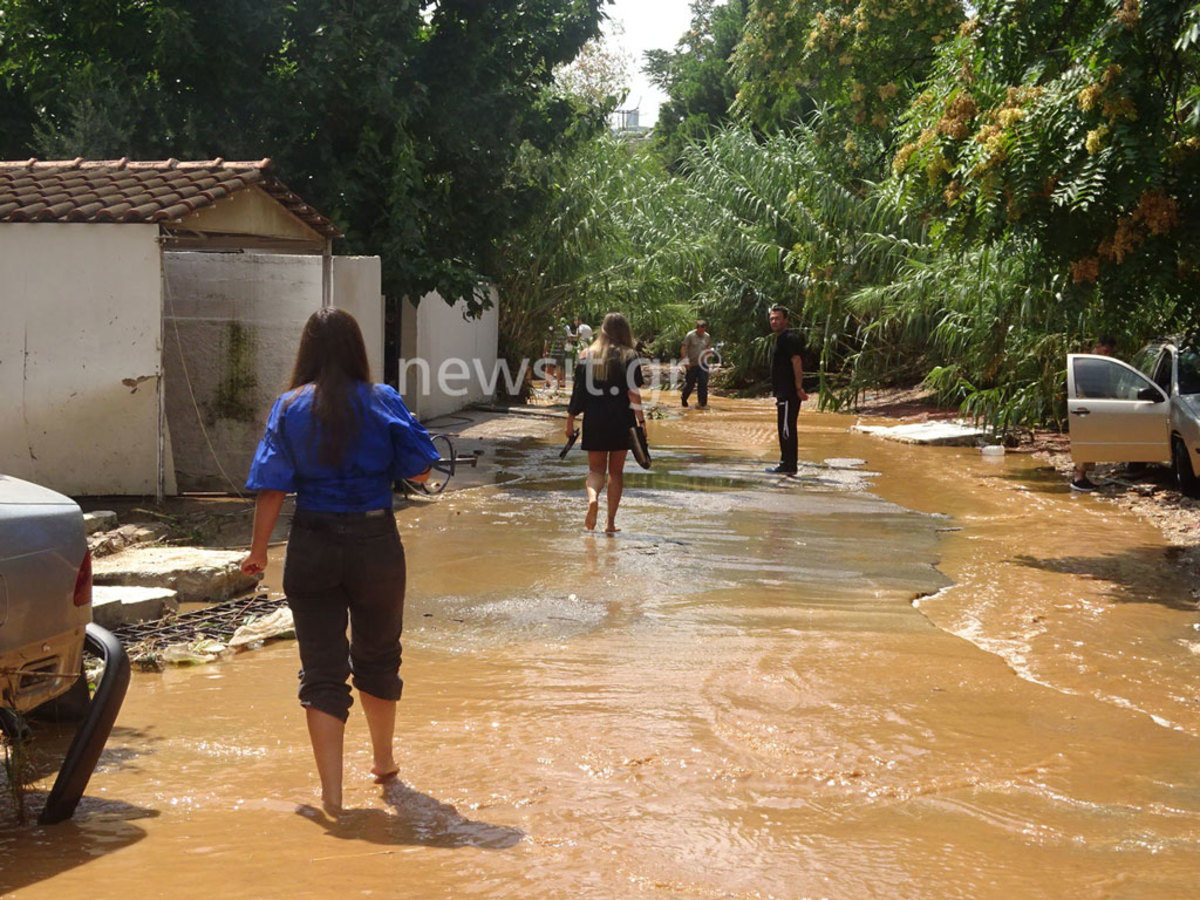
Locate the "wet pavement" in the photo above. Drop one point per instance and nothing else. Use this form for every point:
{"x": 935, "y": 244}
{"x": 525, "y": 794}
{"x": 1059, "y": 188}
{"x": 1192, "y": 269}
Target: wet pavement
{"x": 909, "y": 672}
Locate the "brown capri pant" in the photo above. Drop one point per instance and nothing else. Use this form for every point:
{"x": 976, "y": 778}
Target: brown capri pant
{"x": 346, "y": 568}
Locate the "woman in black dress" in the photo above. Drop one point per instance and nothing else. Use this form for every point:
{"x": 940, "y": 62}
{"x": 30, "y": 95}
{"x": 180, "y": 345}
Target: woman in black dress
{"x": 607, "y": 380}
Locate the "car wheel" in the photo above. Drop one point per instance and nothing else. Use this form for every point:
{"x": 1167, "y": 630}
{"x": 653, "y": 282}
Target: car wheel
{"x": 1181, "y": 462}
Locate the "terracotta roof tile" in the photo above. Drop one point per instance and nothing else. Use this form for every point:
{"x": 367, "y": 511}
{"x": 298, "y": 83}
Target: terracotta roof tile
{"x": 29, "y": 212}
{"x": 80, "y": 213}
{"x": 60, "y": 209}
{"x": 142, "y": 211}
{"x": 177, "y": 211}
{"x": 123, "y": 191}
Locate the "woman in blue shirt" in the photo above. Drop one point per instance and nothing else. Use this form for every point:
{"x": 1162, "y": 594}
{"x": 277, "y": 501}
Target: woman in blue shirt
{"x": 339, "y": 442}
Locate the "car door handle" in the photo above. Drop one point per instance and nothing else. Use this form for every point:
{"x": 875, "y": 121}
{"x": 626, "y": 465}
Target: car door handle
{"x": 1082, "y": 411}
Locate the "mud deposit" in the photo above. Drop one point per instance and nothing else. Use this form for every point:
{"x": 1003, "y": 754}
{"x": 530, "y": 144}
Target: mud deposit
{"x": 908, "y": 673}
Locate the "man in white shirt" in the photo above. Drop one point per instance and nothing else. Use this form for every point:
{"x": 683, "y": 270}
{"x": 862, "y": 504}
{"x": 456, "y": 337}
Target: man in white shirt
{"x": 578, "y": 340}
{"x": 582, "y": 334}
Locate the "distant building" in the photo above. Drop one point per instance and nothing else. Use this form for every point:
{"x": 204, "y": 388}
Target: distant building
{"x": 625, "y": 122}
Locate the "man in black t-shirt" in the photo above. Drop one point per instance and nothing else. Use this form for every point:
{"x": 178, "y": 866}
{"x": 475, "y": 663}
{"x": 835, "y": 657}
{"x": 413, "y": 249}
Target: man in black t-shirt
{"x": 787, "y": 383}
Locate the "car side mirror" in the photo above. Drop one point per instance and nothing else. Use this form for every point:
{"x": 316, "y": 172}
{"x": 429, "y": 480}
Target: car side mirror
{"x": 1154, "y": 395}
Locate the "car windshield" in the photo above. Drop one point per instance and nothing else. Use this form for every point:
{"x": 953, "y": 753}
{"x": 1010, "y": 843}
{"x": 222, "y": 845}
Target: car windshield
{"x": 1189, "y": 372}
{"x": 1145, "y": 359}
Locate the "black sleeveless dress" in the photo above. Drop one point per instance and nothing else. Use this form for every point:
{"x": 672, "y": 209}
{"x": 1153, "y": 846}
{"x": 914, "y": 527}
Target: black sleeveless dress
{"x": 604, "y": 402}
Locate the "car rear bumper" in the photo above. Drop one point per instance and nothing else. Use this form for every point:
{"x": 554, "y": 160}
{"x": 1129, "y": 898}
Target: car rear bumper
{"x": 40, "y": 671}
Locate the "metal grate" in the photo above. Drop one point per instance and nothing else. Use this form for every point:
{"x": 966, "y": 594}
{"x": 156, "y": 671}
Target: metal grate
{"x": 220, "y": 621}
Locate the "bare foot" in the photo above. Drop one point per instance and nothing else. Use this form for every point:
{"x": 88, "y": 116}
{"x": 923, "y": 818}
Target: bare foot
{"x": 589, "y": 521}
{"x": 611, "y": 529}
{"x": 384, "y": 774}
{"x": 333, "y": 810}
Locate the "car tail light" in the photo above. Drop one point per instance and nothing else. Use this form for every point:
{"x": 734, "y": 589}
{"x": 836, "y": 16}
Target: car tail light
{"x": 83, "y": 581}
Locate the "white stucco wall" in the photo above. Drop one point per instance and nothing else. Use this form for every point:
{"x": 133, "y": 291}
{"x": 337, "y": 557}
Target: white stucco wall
{"x": 80, "y": 357}
{"x": 356, "y": 289}
{"x": 232, "y": 326}
{"x": 447, "y": 361}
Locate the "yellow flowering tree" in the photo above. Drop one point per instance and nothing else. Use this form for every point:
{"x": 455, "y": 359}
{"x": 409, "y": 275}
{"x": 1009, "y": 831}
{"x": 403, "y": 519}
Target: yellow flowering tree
{"x": 856, "y": 61}
{"x": 1076, "y": 126}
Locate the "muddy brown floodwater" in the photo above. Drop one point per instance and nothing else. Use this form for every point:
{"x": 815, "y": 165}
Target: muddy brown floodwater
{"x": 929, "y": 675}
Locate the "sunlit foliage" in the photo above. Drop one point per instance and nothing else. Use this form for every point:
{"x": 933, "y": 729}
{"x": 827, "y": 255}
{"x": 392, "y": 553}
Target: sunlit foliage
{"x": 1072, "y": 125}
{"x": 857, "y": 60}
{"x": 609, "y": 239}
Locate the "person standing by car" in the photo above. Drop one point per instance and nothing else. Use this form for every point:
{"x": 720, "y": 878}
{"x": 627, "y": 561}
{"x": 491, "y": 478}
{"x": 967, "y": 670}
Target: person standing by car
{"x": 787, "y": 384}
{"x": 339, "y": 442}
{"x": 1106, "y": 346}
{"x": 606, "y": 392}
{"x": 695, "y": 352}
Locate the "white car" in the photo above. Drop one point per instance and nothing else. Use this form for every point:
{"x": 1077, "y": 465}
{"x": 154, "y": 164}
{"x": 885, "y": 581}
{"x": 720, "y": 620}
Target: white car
{"x": 1146, "y": 412}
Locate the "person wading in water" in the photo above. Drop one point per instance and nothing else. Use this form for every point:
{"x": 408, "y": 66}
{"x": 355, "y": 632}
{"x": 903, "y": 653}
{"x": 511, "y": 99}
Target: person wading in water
{"x": 606, "y": 392}
{"x": 339, "y": 442}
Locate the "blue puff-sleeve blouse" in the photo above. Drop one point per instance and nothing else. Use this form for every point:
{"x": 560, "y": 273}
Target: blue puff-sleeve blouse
{"x": 391, "y": 445}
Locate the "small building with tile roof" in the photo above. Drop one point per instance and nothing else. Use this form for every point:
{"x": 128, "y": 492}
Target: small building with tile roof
{"x": 149, "y": 314}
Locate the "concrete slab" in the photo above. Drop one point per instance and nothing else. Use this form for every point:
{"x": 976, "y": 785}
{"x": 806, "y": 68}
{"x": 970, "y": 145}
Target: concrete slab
{"x": 195, "y": 574}
{"x": 117, "y": 605}
{"x": 99, "y": 520}
{"x": 106, "y": 543}
{"x": 499, "y": 423}
{"x": 954, "y": 434}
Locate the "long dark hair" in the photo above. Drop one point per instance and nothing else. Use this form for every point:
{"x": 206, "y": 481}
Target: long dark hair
{"x": 332, "y": 359}
{"x": 613, "y": 347}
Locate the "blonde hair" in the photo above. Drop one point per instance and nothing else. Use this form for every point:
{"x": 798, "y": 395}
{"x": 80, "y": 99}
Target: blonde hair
{"x": 613, "y": 346}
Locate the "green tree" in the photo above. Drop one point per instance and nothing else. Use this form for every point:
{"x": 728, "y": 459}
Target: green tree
{"x": 987, "y": 328}
{"x": 400, "y": 119}
{"x": 855, "y": 61}
{"x": 696, "y": 77}
{"x": 772, "y": 222}
{"x": 1072, "y": 126}
{"x": 600, "y": 75}
{"x": 608, "y": 239}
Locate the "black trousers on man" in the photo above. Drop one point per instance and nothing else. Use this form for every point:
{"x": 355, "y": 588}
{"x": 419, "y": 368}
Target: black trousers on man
{"x": 787, "y": 414}
{"x": 695, "y": 378}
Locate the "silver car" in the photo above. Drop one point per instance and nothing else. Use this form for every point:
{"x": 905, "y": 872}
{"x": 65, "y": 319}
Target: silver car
{"x": 45, "y": 594}
{"x": 45, "y": 624}
{"x": 1145, "y": 412}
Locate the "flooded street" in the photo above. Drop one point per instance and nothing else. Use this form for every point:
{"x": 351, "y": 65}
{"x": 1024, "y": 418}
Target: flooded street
{"x": 911, "y": 672}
